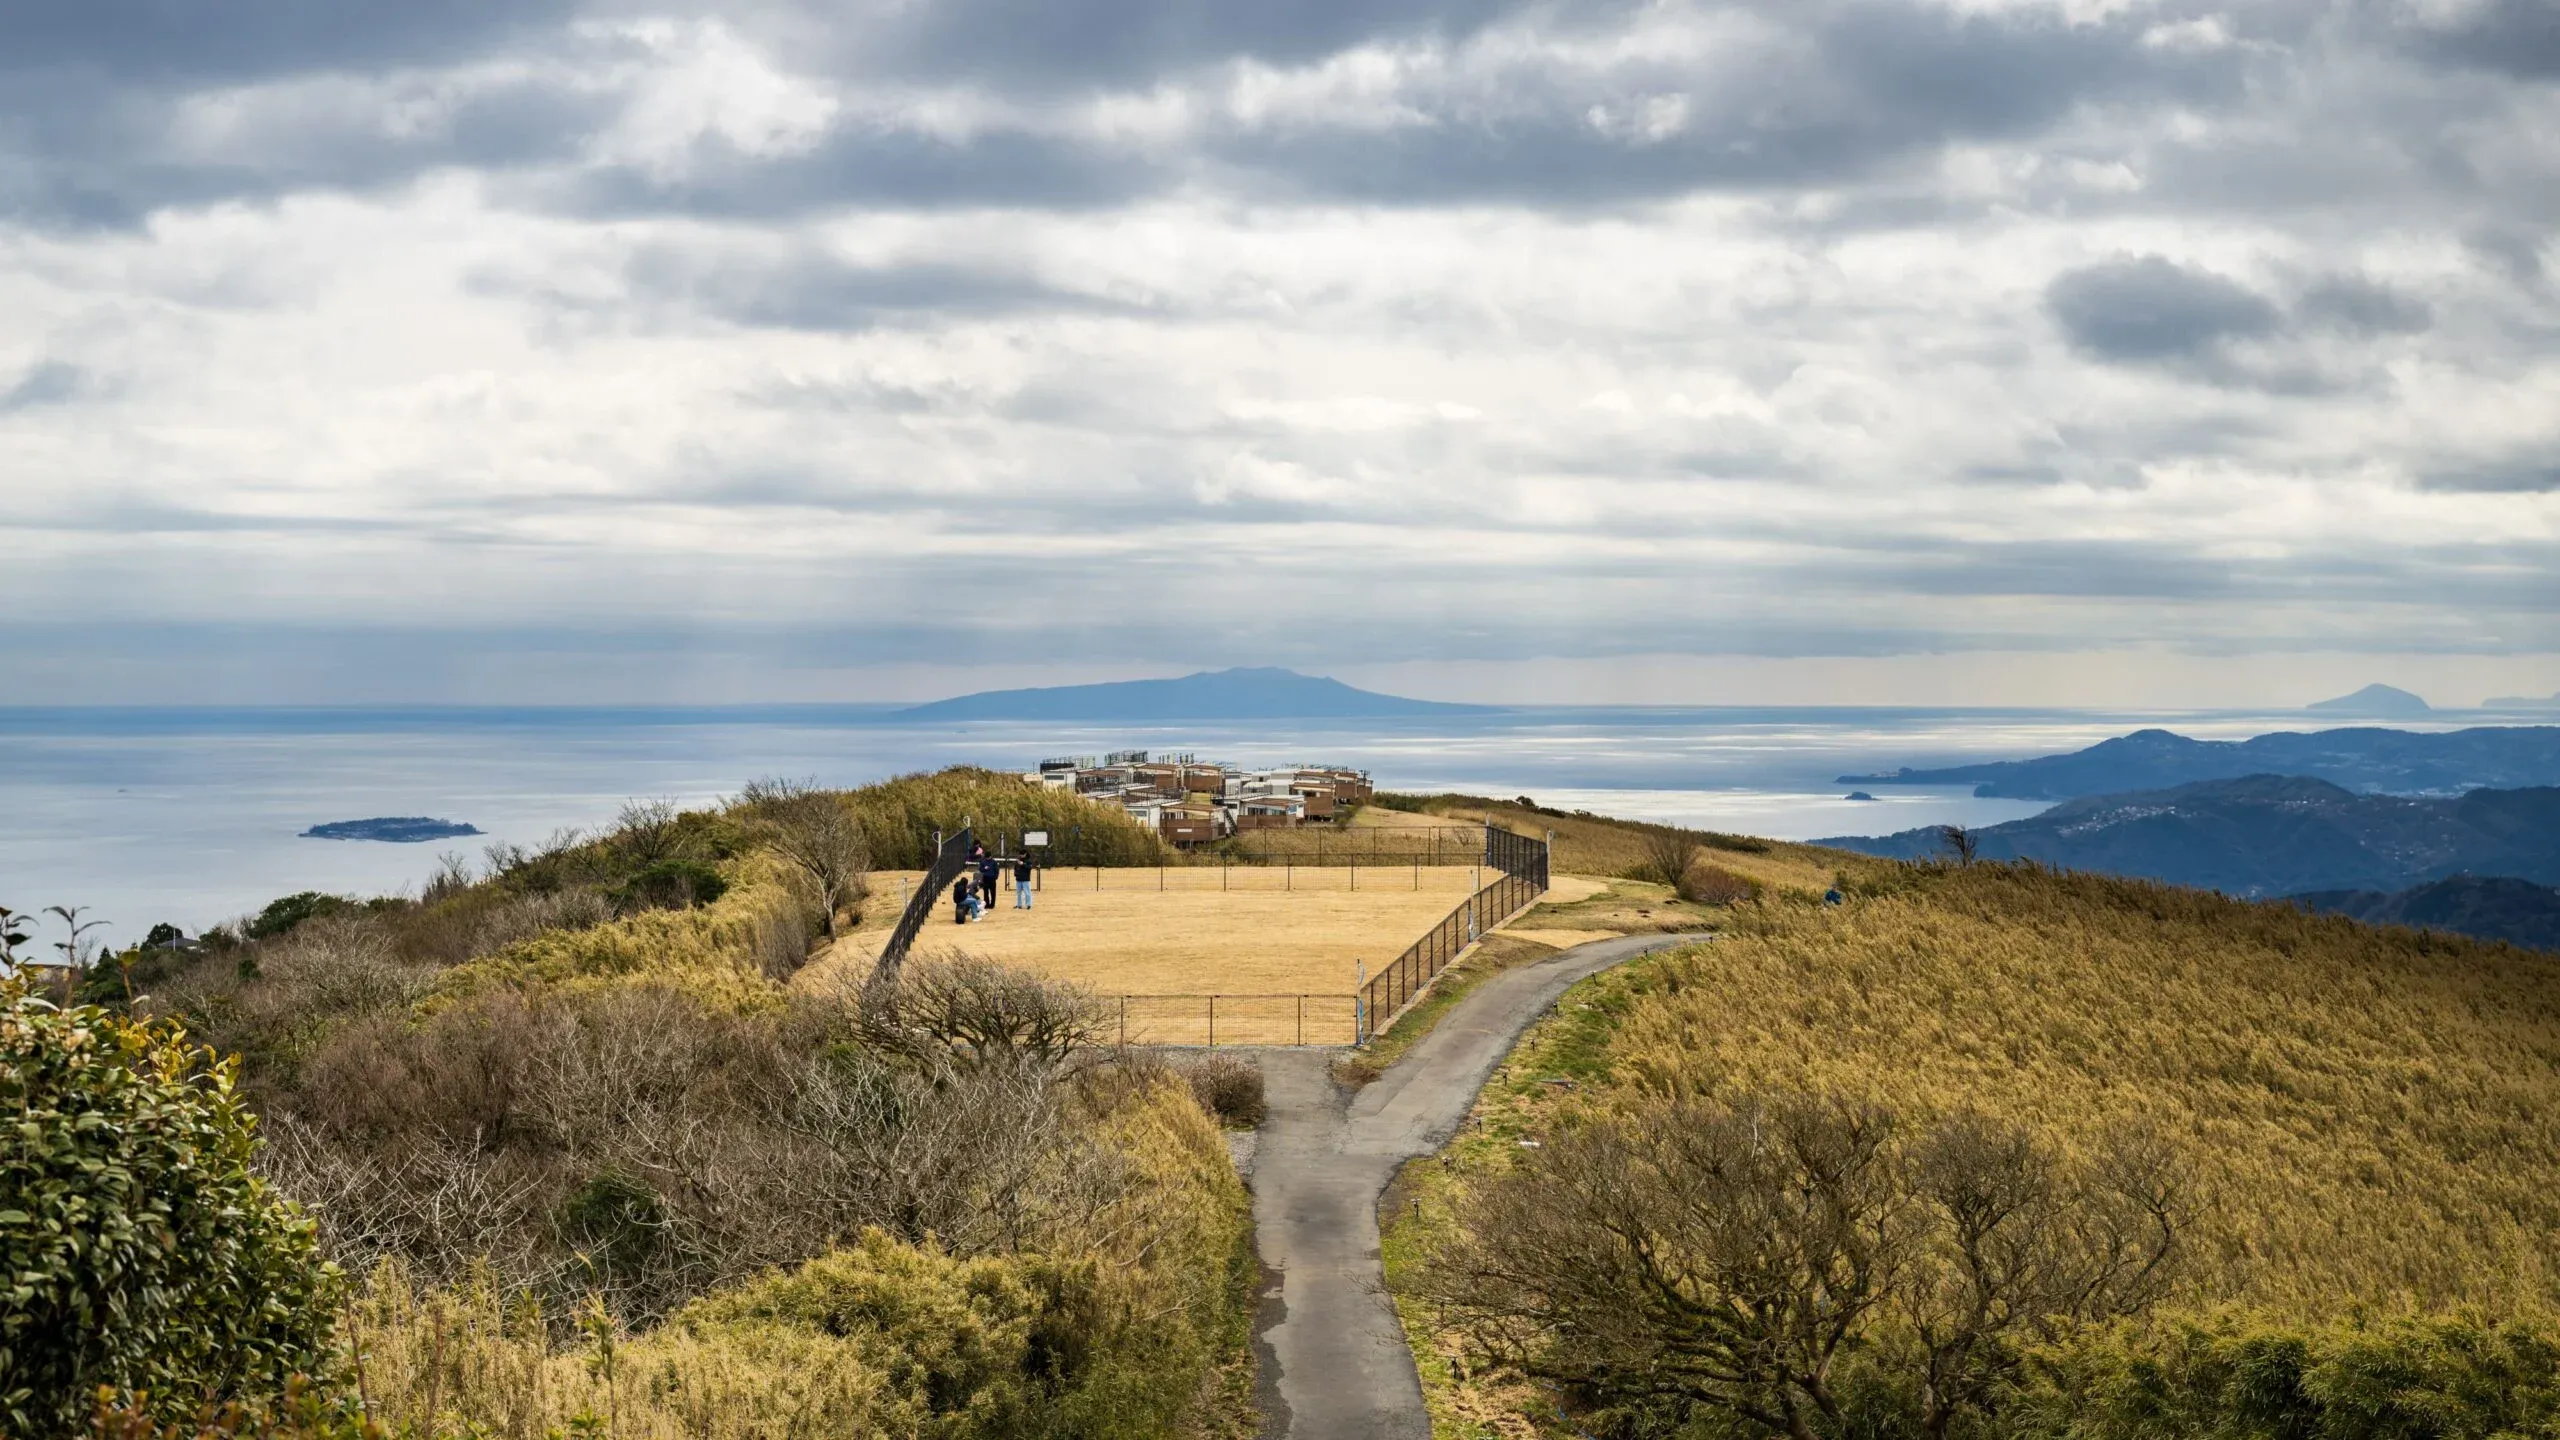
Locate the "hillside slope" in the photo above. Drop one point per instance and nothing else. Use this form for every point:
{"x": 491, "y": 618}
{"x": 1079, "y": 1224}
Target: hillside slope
{"x": 2366, "y": 1114}
{"x": 2274, "y": 835}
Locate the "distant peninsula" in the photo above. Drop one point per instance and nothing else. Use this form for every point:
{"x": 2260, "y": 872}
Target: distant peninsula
{"x": 2274, "y": 835}
{"x": 397, "y": 829}
{"x": 2372, "y": 761}
{"x": 1244, "y": 694}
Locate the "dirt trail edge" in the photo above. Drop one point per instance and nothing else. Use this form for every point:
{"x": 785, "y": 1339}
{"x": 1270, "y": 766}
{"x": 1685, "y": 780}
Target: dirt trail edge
{"x": 1334, "y": 1361}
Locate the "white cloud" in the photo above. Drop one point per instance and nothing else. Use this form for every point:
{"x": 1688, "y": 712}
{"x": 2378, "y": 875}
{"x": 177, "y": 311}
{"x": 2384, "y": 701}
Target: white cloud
{"x": 1740, "y": 332}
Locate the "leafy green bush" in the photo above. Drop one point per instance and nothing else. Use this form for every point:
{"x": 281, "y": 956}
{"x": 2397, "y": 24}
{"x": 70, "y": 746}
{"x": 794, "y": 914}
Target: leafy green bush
{"x": 671, "y": 885}
{"x": 139, "y": 1253}
{"x": 286, "y": 912}
{"x": 617, "y": 1223}
{"x": 2447, "y": 1378}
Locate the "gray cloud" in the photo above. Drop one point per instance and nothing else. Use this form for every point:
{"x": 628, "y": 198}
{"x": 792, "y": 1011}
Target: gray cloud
{"x": 812, "y": 290}
{"x": 2517, "y": 37}
{"x": 2152, "y": 311}
{"x": 164, "y": 41}
{"x": 1076, "y": 44}
{"x": 2522, "y": 475}
{"x": 2360, "y": 306}
{"x": 48, "y": 382}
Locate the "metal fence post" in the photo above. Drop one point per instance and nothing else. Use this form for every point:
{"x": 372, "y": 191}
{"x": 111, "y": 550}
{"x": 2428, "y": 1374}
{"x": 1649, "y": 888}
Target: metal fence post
{"x": 1213, "y": 1022}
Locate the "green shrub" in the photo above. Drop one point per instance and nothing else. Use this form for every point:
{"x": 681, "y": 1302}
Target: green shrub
{"x": 616, "y": 1222}
{"x": 282, "y": 914}
{"x": 2444, "y": 1378}
{"x": 671, "y": 885}
{"x": 139, "y": 1253}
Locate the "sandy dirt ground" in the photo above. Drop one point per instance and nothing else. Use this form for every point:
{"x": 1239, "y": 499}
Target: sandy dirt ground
{"x": 1243, "y": 932}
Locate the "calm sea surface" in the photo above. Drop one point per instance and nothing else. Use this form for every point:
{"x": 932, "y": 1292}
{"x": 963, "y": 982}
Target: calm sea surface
{"x": 194, "y": 816}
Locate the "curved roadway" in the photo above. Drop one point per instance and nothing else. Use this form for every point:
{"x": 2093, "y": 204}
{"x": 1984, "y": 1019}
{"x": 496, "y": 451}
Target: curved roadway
{"x": 1334, "y": 1361}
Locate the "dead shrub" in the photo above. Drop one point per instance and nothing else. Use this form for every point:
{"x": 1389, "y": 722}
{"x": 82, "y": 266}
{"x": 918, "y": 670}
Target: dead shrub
{"x": 965, "y": 1010}
{"x": 1766, "y": 1260}
{"x": 1227, "y": 1086}
{"x": 1711, "y": 884}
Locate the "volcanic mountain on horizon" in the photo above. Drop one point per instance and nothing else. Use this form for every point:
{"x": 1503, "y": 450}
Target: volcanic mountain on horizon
{"x": 1264, "y": 693}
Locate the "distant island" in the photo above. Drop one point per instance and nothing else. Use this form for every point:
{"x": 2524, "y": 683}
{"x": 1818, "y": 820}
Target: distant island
{"x": 2274, "y": 835}
{"x": 1266, "y": 693}
{"x": 2521, "y": 702}
{"x": 2375, "y": 702}
{"x": 397, "y": 829}
{"x": 2394, "y": 762}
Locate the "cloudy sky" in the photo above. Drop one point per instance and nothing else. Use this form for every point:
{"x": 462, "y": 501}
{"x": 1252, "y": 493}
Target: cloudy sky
{"x": 1898, "y": 350}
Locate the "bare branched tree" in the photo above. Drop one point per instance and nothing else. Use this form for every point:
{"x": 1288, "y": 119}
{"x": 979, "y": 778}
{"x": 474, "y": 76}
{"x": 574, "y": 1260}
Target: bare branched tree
{"x": 962, "y": 1011}
{"x": 1958, "y": 844}
{"x": 1667, "y": 854}
{"x": 648, "y": 832}
{"x": 817, "y": 833}
{"x": 1737, "y": 1257}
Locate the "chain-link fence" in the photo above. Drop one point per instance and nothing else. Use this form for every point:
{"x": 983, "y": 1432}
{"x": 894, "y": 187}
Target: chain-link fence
{"x": 1520, "y": 865}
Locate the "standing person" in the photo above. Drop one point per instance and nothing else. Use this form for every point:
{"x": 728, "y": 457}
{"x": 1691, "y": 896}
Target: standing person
{"x": 988, "y": 865}
{"x": 1022, "y": 880}
{"x": 960, "y": 898}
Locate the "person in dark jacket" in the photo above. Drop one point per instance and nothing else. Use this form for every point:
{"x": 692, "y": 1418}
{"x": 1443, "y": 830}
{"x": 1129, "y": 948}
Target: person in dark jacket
{"x": 988, "y": 866}
{"x": 1022, "y": 881}
{"x": 961, "y": 895}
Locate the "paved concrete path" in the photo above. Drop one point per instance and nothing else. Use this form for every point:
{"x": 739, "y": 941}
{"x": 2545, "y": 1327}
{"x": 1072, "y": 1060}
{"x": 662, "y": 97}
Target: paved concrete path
{"x": 1334, "y": 1361}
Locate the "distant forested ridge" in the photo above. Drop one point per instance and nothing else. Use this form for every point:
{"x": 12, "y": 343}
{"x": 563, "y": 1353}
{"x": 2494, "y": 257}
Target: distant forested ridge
{"x": 2271, "y": 835}
{"x": 2491, "y": 907}
{"x": 2375, "y": 761}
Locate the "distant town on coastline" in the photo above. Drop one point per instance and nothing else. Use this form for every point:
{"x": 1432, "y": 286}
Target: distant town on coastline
{"x": 1193, "y": 802}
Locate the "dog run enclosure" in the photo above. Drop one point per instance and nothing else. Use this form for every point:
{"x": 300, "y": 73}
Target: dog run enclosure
{"x": 1518, "y": 869}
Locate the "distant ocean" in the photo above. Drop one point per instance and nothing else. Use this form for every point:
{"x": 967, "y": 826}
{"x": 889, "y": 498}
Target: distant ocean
{"x": 194, "y": 816}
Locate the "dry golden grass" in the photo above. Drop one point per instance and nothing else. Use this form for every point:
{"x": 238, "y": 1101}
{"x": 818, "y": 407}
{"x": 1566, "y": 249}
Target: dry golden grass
{"x": 1597, "y": 845}
{"x": 2369, "y": 1112}
{"x": 1193, "y": 938}
{"x": 1620, "y": 907}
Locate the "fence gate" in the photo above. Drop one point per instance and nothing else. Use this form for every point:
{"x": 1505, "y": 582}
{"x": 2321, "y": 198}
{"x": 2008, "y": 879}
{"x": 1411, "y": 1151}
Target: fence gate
{"x": 946, "y": 867}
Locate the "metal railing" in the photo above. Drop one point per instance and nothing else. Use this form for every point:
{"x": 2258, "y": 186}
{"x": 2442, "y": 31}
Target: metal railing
{"x": 1266, "y": 1019}
{"x": 1522, "y": 865}
{"x": 947, "y": 864}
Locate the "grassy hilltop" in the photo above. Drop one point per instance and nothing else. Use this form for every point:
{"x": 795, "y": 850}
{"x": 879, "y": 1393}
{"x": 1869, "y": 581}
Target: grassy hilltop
{"x": 2358, "y": 1122}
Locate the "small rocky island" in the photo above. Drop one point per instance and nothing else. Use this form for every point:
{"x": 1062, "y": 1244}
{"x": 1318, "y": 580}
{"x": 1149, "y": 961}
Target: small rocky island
{"x": 397, "y": 829}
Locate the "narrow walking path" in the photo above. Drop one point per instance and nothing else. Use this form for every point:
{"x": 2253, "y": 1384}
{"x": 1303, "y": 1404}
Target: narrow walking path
{"x": 1334, "y": 1361}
